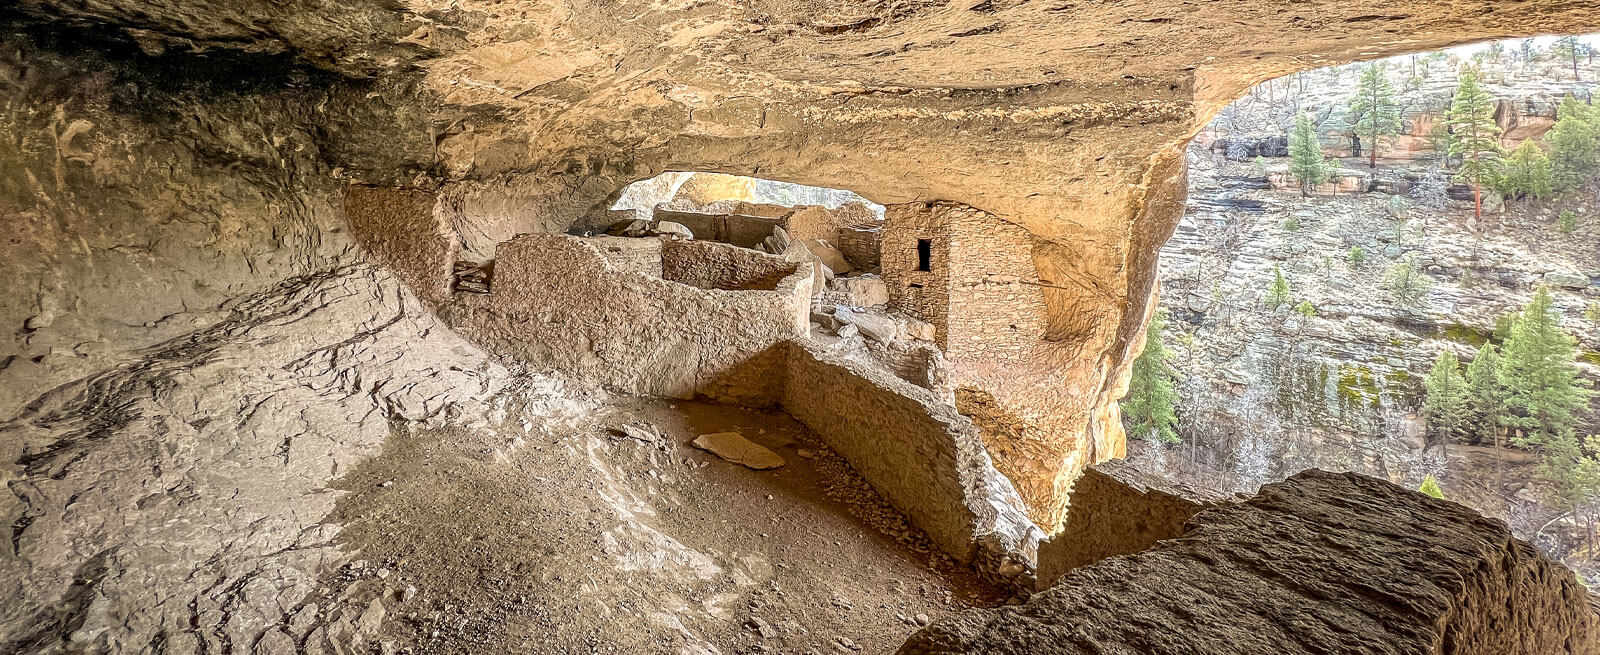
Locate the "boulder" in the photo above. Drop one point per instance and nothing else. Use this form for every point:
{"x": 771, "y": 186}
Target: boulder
{"x": 828, "y": 255}
{"x": 669, "y": 228}
{"x": 1319, "y": 563}
{"x": 862, "y": 291}
{"x": 629, "y": 228}
{"x": 1566, "y": 280}
{"x": 878, "y": 327}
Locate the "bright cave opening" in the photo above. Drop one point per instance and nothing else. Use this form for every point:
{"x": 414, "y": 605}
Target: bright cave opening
{"x": 1335, "y": 298}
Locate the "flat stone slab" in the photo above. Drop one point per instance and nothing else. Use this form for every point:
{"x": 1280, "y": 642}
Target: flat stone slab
{"x": 733, "y": 447}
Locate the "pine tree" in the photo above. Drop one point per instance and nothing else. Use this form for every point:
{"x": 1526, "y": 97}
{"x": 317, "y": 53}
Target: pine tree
{"x": 1433, "y": 190}
{"x": 1305, "y": 155}
{"x": 1278, "y": 293}
{"x": 1357, "y": 256}
{"x": 1544, "y": 394}
{"x": 1149, "y": 408}
{"x": 1574, "y": 474}
{"x": 1569, "y": 47}
{"x": 1446, "y": 403}
{"x": 1486, "y": 398}
{"x": 1473, "y": 135}
{"x": 1407, "y": 282}
{"x": 1523, "y": 175}
{"x": 1374, "y": 113}
{"x": 1574, "y": 144}
{"x": 1430, "y": 487}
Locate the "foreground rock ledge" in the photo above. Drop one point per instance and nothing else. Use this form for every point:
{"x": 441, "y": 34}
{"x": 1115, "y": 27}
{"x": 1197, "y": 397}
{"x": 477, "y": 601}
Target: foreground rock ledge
{"x": 1320, "y": 563}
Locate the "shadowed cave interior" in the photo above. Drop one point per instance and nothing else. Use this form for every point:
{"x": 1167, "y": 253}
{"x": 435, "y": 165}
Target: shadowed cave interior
{"x": 560, "y": 326}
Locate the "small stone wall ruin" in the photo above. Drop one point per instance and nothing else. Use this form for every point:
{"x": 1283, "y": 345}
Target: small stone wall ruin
{"x": 1115, "y": 509}
{"x": 922, "y": 456}
{"x": 401, "y": 230}
{"x": 861, "y": 246}
{"x": 559, "y": 301}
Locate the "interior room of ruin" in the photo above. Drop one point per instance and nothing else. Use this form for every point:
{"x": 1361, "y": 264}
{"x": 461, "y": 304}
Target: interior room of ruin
{"x": 609, "y": 326}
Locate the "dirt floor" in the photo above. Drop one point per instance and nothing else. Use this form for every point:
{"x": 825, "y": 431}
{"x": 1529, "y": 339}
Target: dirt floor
{"x": 571, "y": 537}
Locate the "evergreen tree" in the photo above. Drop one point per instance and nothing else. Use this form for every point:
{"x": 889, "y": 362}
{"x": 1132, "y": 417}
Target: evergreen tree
{"x": 1278, "y": 293}
{"x": 1433, "y": 190}
{"x": 1305, "y": 155}
{"x": 1574, "y": 144}
{"x": 1357, "y": 256}
{"x": 1446, "y": 404}
{"x": 1474, "y": 134}
{"x": 1407, "y": 282}
{"x": 1523, "y": 175}
{"x": 1149, "y": 408}
{"x": 1544, "y": 394}
{"x": 1574, "y": 474}
{"x": 1430, "y": 487}
{"x": 1374, "y": 113}
{"x": 1486, "y": 398}
{"x": 1569, "y": 47}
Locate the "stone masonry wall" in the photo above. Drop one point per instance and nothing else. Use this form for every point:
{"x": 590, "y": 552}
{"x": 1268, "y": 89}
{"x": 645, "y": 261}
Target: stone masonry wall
{"x": 861, "y": 246}
{"x": 401, "y": 230}
{"x": 738, "y": 229}
{"x": 982, "y": 294}
{"x": 557, "y": 302}
{"x": 1116, "y": 510}
{"x": 915, "y": 450}
{"x": 711, "y": 265}
{"x": 922, "y": 294}
{"x": 997, "y": 308}
{"x": 642, "y": 256}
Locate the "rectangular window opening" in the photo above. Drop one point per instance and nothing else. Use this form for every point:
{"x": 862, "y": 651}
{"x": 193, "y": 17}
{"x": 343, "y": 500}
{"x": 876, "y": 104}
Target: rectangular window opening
{"x": 924, "y": 254}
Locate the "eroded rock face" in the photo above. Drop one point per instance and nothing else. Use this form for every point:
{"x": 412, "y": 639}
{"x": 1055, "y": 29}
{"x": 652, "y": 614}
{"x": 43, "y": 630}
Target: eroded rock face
{"x": 1322, "y": 562}
{"x": 175, "y": 502}
{"x": 529, "y": 115}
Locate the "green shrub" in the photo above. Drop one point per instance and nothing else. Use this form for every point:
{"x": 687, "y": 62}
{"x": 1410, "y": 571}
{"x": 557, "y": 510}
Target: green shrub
{"x": 1292, "y": 224}
{"x": 1567, "y": 222}
{"x": 1357, "y": 256}
{"x": 1430, "y": 487}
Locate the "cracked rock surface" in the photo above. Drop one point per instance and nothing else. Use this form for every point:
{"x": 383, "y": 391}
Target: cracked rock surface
{"x": 176, "y": 501}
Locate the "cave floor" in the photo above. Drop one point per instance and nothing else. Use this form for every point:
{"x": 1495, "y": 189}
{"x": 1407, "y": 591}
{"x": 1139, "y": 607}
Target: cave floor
{"x": 577, "y": 539}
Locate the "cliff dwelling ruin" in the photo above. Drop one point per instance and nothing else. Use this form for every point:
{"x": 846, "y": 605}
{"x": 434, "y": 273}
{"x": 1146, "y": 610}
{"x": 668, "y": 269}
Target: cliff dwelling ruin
{"x": 564, "y": 326}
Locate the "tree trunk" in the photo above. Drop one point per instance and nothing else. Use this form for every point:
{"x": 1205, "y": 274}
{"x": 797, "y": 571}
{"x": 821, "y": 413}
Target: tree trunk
{"x": 1574, "y": 63}
{"x": 1477, "y": 203}
{"x": 1372, "y": 159}
{"x": 1499, "y": 461}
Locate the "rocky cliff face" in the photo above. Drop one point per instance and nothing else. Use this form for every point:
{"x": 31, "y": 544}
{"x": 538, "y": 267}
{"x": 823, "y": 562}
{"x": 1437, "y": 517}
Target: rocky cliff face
{"x": 1275, "y": 391}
